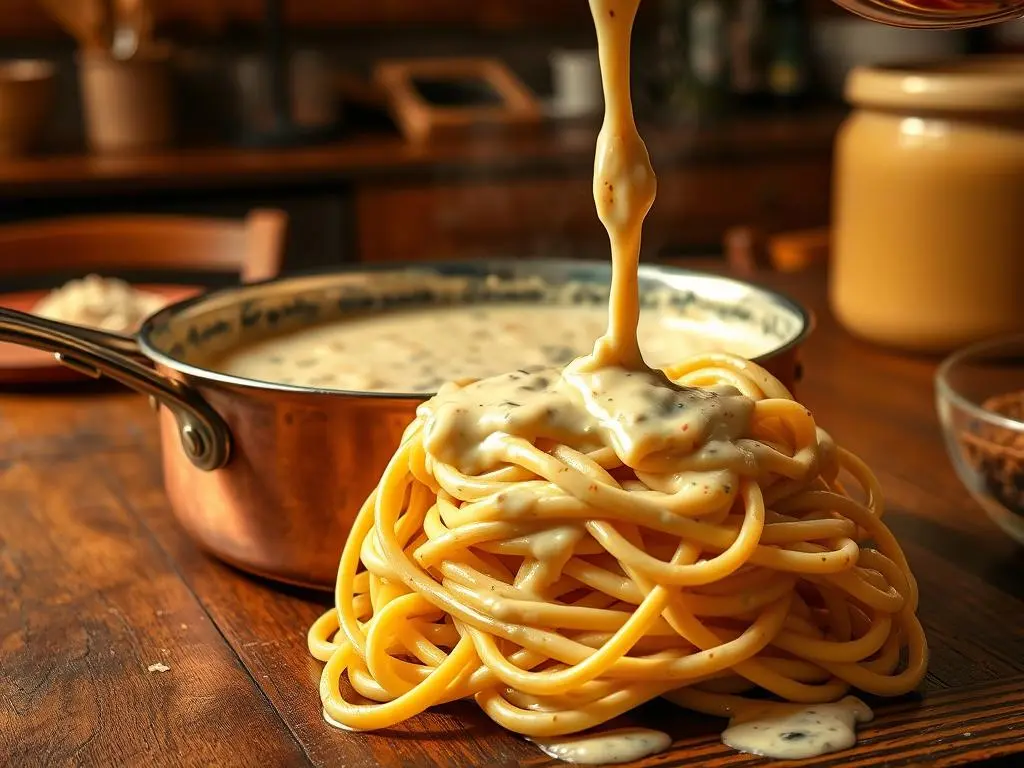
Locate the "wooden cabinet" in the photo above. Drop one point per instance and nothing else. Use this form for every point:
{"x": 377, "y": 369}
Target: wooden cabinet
{"x": 23, "y": 18}
{"x": 26, "y": 17}
{"x": 554, "y": 215}
{"x": 377, "y": 198}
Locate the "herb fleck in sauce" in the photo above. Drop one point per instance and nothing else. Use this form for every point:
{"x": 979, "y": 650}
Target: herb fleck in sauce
{"x": 797, "y": 732}
{"x": 415, "y": 350}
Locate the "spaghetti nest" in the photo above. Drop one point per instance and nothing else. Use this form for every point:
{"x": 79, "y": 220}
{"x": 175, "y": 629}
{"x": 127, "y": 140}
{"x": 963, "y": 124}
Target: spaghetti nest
{"x": 564, "y": 588}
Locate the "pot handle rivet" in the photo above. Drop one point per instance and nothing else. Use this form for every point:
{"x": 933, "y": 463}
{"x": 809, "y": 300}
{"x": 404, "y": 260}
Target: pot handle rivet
{"x": 192, "y": 441}
{"x": 204, "y": 434}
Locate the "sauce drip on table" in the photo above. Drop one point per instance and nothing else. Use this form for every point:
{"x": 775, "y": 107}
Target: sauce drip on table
{"x": 796, "y": 731}
{"x": 623, "y": 745}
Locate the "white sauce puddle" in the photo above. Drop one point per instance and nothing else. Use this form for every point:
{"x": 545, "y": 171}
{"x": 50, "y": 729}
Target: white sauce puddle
{"x": 797, "y": 732}
{"x": 608, "y": 748}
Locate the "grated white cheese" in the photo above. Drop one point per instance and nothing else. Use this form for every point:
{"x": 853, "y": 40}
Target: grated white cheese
{"x": 100, "y": 302}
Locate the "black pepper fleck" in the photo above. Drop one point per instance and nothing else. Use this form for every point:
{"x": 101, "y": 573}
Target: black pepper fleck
{"x": 538, "y": 385}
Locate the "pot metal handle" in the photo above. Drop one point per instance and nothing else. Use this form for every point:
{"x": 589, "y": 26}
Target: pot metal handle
{"x": 204, "y": 434}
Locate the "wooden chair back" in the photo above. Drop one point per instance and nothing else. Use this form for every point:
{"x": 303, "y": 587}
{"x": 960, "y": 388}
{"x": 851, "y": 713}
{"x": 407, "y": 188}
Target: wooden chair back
{"x": 253, "y": 248}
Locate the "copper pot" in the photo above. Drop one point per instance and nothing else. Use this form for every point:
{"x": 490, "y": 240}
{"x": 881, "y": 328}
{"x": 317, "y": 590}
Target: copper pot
{"x": 269, "y": 476}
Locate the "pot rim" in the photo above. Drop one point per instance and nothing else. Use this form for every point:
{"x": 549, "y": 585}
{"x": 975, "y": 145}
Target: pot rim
{"x": 484, "y": 266}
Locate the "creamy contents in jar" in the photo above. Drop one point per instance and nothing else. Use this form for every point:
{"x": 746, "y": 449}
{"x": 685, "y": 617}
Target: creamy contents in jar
{"x": 417, "y": 350}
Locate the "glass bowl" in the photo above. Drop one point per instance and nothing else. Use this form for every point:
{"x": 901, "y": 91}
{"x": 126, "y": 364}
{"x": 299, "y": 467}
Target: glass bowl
{"x": 980, "y": 397}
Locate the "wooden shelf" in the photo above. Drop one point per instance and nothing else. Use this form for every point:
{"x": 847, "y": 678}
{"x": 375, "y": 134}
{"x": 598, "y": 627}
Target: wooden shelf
{"x": 552, "y": 150}
{"x": 24, "y": 18}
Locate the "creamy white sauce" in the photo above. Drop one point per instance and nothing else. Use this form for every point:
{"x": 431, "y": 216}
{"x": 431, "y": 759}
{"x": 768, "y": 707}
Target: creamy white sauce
{"x": 637, "y": 413}
{"x": 797, "y": 732}
{"x": 607, "y": 748}
{"x": 418, "y": 350}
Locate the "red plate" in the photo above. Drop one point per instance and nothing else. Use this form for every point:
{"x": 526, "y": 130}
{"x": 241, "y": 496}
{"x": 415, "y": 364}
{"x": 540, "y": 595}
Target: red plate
{"x": 24, "y": 365}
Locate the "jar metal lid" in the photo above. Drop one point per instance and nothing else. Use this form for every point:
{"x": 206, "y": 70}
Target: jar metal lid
{"x": 970, "y": 84}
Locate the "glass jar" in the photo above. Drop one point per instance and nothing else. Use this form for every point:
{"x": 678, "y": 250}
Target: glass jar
{"x": 928, "y": 206}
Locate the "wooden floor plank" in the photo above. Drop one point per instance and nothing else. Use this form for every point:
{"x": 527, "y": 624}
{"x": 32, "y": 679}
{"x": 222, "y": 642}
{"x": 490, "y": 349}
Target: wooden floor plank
{"x": 89, "y": 605}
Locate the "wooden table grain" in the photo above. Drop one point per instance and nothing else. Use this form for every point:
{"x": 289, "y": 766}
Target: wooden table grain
{"x": 99, "y": 583}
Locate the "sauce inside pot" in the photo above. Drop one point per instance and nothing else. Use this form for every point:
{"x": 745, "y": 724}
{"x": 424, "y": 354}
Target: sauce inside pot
{"x": 417, "y": 350}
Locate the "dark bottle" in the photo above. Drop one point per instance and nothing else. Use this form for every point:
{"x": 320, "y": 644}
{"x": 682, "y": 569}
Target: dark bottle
{"x": 748, "y": 39}
{"x": 694, "y": 58}
{"x": 708, "y": 51}
{"x": 788, "y": 53}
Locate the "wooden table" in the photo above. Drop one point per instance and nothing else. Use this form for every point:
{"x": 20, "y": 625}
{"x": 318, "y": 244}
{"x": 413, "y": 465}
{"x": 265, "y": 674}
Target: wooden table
{"x": 99, "y": 582}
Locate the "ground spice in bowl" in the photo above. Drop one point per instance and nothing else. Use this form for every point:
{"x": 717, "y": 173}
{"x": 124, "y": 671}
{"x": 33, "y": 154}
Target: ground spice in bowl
{"x": 997, "y": 452}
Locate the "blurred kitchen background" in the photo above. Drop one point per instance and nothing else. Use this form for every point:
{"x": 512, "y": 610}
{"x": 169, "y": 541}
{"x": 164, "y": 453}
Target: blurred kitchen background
{"x": 215, "y": 107}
